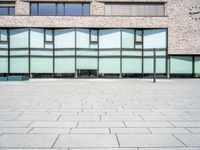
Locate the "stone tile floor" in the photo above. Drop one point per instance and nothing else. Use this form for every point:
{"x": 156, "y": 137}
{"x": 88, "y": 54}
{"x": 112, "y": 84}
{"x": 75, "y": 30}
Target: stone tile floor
{"x": 100, "y": 114}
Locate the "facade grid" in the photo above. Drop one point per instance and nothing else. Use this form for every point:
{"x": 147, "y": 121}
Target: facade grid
{"x": 53, "y": 45}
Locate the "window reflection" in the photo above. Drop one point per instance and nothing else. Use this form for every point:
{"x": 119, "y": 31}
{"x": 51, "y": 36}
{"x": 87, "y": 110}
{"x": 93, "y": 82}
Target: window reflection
{"x": 47, "y": 9}
{"x": 73, "y": 9}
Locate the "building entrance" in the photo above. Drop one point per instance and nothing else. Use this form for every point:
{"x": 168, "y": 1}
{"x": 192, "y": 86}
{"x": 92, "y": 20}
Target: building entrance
{"x": 86, "y": 73}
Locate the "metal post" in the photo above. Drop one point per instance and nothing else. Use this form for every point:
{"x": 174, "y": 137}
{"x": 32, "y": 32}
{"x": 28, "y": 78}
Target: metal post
{"x": 154, "y": 65}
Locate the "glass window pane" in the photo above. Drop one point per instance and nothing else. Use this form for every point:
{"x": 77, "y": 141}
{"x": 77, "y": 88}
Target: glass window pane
{"x": 73, "y": 9}
{"x": 109, "y": 38}
{"x": 3, "y": 65}
{"x": 3, "y": 35}
{"x": 60, "y": 9}
{"x": 86, "y": 9}
{"x": 34, "y": 9}
{"x": 3, "y": 11}
{"x": 12, "y": 11}
{"x": 19, "y": 65}
{"x": 82, "y": 37}
{"x": 41, "y": 65}
{"x": 18, "y": 38}
{"x": 197, "y": 65}
{"x": 47, "y": 9}
{"x": 181, "y": 64}
{"x": 155, "y": 38}
{"x": 138, "y": 35}
{"x": 128, "y": 38}
{"x": 109, "y": 65}
{"x": 69, "y": 64}
{"x": 64, "y": 38}
{"x": 49, "y": 35}
{"x": 131, "y": 65}
{"x": 37, "y": 38}
{"x": 93, "y": 35}
{"x": 87, "y": 63}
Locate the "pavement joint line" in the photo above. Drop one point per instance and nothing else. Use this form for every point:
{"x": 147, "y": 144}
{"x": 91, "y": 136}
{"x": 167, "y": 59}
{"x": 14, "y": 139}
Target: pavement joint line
{"x": 179, "y": 140}
{"x": 55, "y": 141}
{"x": 117, "y": 140}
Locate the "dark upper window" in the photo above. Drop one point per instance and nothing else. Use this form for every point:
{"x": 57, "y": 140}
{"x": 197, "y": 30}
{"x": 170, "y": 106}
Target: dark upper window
{"x": 67, "y": 9}
{"x": 7, "y": 8}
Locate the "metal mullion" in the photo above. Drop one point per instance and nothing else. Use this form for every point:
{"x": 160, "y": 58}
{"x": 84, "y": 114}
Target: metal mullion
{"x": 142, "y": 53}
{"x": 29, "y": 53}
{"x": 98, "y": 53}
{"x": 53, "y": 52}
{"x": 120, "y": 53}
{"x": 75, "y": 53}
{"x": 193, "y": 66}
{"x": 8, "y": 32}
{"x": 167, "y": 53}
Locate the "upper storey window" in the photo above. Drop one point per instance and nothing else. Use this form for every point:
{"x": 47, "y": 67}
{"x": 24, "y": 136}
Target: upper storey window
{"x": 67, "y": 9}
{"x": 135, "y": 9}
{"x": 7, "y": 8}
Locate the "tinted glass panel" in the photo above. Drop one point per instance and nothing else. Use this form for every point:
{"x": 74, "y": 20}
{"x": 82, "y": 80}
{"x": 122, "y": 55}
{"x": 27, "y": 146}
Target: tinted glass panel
{"x": 86, "y": 9}
{"x": 73, "y": 9}
{"x": 60, "y": 9}
{"x": 34, "y": 9}
{"x": 47, "y": 9}
{"x": 11, "y": 11}
{"x": 3, "y": 11}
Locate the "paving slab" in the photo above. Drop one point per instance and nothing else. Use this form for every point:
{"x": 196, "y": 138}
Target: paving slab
{"x": 90, "y": 130}
{"x": 129, "y": 130}
{"x": 148, "y": 140}
{"x": 135, "y": 112}
{"x": 189, "y": 139}
{"x": 86, "y": 140}
{"x": 27, "y": 140}
{"x": 50, "y": 130}
{"x": 49, "y": 124}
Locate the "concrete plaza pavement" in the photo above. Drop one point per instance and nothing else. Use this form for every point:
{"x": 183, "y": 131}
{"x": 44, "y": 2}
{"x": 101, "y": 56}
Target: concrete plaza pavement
{"x": 100, "y": 114}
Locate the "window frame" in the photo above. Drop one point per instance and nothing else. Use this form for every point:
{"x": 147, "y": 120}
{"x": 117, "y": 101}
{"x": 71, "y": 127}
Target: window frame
{"x": 56, "y": 8}
{"x": 8, "y": 11}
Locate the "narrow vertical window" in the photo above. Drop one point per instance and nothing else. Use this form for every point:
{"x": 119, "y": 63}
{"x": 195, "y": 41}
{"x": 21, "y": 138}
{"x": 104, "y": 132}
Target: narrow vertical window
{"x": 93, "y": 35}
{"x": 86, "y": 9}
{"x": 34, "y": 9}
{"x": 3, "y": 36}
{"x": 60, "y": 9}
{"x": 48, "y": 35}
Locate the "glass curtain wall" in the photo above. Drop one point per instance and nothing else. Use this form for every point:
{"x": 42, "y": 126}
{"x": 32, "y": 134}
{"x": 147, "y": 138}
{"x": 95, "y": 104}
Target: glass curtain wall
{"x": 3, "y": 52}
{"x": 86, "y": 51}
{"x": 181, "y": 65}
{"x": 41, "y": 52}
{"x": 131, "y": 52}
{"x": 109, "y": 51}
{"x": 19, "y": 51}
{"x": 64, "y": 52}
{"x": 92, "y": 52}
{"x": 154, "y": 39}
